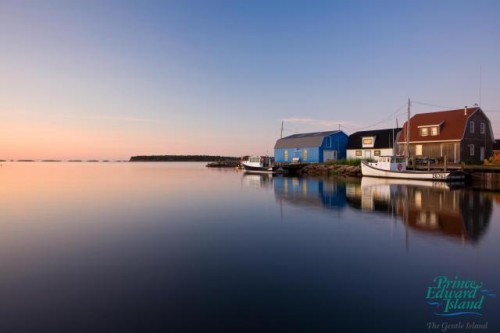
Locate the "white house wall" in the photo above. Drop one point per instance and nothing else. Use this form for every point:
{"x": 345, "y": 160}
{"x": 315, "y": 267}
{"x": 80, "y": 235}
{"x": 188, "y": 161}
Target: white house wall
{"x": 368, "y": 153}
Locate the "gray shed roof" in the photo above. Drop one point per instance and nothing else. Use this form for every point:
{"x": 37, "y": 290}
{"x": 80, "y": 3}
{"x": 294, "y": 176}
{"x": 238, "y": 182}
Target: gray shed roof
{"x": 303, "y": 140}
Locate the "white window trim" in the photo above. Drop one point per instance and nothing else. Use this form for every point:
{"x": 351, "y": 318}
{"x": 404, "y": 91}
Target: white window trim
{"x": 482, "y": 128}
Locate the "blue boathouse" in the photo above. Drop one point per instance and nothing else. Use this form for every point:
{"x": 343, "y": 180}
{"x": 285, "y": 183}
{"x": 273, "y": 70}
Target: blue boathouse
{"x": 314, "y": 147}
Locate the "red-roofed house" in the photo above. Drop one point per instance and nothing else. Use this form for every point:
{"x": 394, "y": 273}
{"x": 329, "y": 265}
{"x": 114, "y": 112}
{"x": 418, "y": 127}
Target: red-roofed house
{"x": 462, "y": 135}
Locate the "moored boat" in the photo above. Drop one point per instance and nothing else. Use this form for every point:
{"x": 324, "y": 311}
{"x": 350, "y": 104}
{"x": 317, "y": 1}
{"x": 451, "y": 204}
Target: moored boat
{"x": 395, "y": 167}
{"x": 260, "y": 164}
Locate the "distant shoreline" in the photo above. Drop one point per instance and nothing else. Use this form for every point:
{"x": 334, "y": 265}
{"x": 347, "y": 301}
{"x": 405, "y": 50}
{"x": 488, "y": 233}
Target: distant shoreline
{"x": 58, "y": 161}
{"x": 182, "y": 158}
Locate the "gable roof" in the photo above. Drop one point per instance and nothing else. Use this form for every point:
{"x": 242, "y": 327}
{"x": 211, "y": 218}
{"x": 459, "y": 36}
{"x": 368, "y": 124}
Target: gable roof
{"x": 452, "y": 125}
{"x": 303, "y": 140}
{"x": 383, "y": 138}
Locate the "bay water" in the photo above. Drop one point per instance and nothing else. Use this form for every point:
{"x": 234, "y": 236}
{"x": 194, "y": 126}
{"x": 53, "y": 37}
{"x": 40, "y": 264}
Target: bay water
{"x": 178, "y": 247}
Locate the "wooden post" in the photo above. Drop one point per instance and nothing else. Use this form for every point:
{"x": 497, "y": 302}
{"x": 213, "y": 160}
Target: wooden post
{"x": 445, "y": 162}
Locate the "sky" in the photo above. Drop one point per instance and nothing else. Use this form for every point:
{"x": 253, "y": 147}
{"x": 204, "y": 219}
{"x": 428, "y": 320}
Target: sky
{"x": 84, "y": 79}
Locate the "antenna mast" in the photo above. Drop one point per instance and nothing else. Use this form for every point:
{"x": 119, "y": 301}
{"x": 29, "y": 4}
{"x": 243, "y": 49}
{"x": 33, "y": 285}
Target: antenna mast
{"x": 480, "y": 84}
{"x": 407, "y": 152}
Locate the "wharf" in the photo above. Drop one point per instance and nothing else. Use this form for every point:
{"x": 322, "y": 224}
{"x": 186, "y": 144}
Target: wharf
{"x": 291, "y": 168}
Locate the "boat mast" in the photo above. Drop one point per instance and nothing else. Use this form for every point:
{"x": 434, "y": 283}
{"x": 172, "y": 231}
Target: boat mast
{"x": 407, "y": 150}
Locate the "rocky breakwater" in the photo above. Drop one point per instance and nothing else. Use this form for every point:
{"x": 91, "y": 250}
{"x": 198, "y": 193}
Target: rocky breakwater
{"x": 223, "y": 164}
{"x": 330, "y": 170}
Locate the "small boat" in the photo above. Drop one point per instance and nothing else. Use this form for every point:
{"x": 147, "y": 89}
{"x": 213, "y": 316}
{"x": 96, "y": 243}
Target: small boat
{"x": 395, "y": 167}
{"x": 260, "y": 164}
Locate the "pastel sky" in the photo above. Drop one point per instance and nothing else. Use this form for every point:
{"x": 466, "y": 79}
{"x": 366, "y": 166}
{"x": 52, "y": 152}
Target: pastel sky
{"x": 103, "y": 79}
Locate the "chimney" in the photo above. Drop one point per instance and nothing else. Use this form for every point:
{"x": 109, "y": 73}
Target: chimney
{"x": 465, "y": 111}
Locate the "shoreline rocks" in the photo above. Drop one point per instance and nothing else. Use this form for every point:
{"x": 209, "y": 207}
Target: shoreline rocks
{"x": 330, "y": 170}
{"x": 223, "y": 164}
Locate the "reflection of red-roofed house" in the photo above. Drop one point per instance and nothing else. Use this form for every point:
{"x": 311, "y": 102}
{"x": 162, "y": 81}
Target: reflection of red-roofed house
{"x": 462, "y": 135}
{"x": 495, "y": 158}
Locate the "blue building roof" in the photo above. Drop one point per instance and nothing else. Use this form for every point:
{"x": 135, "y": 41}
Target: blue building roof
{"x": 303, "y": 140}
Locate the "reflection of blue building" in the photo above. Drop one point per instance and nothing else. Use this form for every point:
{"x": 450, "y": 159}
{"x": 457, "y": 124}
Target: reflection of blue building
{"x": 312, "y": 147}
{"x": 311, "y": 192}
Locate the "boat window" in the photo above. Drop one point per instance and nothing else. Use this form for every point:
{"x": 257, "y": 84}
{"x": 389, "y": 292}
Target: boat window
{"x": 397, "y": 160}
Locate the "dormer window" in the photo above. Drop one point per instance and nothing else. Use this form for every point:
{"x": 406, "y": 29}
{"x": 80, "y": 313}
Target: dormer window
{"x": 368, "y": 141}
{"x": 432, "y": 130}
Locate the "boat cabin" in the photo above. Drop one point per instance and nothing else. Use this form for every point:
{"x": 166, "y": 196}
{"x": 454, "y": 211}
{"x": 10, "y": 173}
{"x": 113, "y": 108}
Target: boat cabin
{"x": 260, "y": 161}
{"x": 390, "y": 163}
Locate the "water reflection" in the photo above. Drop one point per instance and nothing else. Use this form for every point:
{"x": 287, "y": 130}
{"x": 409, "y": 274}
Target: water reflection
{"x": 257, "y": 181}
{"x": 311, "y": 192}
{"x": 430, "y": 208}
{"x": 427, "y": 207}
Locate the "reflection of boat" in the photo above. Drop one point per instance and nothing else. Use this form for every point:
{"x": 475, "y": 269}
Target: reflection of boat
{"x": 426, "y": 207}
{"x": 257, "y": 181}
{"x": 395, "y": 167}
{"x": 372, "y": 182}
{"x": 260, "y": 164}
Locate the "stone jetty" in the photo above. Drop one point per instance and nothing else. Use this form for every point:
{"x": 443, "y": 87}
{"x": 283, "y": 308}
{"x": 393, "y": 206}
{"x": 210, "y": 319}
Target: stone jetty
{"x": 330, "y": 170}
{"x": 223, "y": 164}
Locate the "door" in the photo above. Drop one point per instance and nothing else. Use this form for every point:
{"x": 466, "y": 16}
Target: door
{"x": 329, "y": 155}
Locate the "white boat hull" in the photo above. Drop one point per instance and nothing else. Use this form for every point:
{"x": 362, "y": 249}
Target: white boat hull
{"x": 258, "y": 169}
{"x": 370, "y": 171}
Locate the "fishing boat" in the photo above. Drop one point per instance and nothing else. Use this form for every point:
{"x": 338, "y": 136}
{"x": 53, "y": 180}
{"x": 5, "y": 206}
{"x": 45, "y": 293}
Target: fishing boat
{"x": 395, "y": 167}
{"x": 260, "y": 164}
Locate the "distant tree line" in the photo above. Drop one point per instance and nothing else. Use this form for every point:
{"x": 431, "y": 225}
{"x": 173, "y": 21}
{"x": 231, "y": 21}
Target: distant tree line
{"x": 182, "y": 158}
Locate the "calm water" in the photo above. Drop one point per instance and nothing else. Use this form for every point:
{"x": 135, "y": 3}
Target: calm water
{"x": 177, "y": 247}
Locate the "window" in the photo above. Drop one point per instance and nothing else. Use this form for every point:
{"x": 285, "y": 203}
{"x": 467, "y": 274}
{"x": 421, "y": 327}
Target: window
{"x": 418, "y": 150}
{"x": 304, "y": 154}
{"x": 482, "y": 128}
{"x": 368, "y": 141}
{"x": 286, "y": 154}
{"x": 329, "y": 142}
{"x": 471, "y": 147}
{"x": 471, "y": 127}
{"x": 376, "y": 152}
{"x": 427, "y": 130}
{"x": 359, "y": 153}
